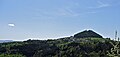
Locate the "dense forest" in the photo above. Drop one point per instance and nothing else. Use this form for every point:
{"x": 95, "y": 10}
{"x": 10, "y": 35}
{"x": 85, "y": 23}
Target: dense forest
{"x": 84, "y": 44}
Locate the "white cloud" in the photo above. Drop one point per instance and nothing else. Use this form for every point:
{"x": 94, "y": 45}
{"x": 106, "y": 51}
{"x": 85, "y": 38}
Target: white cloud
{"x": 101, "y": 4}
{"x": 67, "y": 12}
{"x": 11, "y": 25}
{"x": 61, "y": 12}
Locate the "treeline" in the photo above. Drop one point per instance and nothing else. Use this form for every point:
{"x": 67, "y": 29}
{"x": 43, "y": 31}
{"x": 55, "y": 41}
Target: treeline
{"x": 65, "y": 47}
{"x": 83, "y": 44}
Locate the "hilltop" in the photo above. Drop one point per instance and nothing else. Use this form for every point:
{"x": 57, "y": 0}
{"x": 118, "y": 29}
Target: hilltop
{"x": 87, "y": 34}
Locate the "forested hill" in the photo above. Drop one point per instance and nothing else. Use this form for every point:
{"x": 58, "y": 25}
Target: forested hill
{"x": 86, "y": 34}
{"x": 89, "y": 45}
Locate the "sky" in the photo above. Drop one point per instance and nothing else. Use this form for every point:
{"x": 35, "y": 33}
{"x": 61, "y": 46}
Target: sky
{"x": 51, "y": 19}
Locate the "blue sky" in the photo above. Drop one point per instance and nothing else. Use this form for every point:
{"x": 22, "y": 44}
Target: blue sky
{"x": 43, "y": 19}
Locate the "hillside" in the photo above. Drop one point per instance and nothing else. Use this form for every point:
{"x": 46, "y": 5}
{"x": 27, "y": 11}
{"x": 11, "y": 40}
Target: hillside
{"x": 63, "y": 47}
{"x": 86, "y": 34}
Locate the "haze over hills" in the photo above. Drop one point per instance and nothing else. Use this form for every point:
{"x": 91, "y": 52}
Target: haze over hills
{"x": 3, "y": 41}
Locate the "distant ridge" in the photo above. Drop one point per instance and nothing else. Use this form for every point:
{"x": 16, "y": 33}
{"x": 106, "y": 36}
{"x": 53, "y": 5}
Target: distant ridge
{"x": 87, "y": 34}
{"x": 3, "y": 41}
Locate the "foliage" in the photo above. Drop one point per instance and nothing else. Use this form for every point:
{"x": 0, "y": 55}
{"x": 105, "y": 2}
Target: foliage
{"x": 11, "y": 55}
{"x": 64, "y": 47}
{"x": 114, "y": 52}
